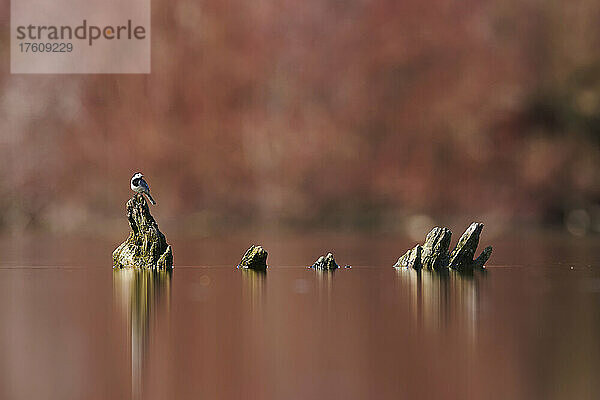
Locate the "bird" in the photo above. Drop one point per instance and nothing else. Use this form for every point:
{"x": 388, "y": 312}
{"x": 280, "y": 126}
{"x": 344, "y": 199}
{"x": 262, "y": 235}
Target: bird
{"x": 139, "y": 185}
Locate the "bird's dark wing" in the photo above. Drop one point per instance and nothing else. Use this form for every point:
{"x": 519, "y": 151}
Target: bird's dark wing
{"x": 143, "y": 184}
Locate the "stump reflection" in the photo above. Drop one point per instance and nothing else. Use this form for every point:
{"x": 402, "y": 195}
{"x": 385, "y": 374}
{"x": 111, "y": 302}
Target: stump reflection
{"x": 142, "y": 296}
{"x": 438, "y": 298}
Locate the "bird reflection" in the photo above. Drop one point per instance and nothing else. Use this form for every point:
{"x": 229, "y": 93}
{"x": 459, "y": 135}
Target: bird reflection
{"x": 143, "y": 295}
{"x": 440, "y": 299}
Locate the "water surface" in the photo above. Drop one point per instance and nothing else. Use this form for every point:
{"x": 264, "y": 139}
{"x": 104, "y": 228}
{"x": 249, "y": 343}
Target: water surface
{"x": 79, "y": 330}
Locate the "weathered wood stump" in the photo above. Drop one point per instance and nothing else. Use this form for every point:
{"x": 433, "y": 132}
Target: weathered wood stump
{"x": 255, "y": 258}
{"x": 434, "y": 254}
{"x": 146, "y": 246}
{"x": 325, "y": 263}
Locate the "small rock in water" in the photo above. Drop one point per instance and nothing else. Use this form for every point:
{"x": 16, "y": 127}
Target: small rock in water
{"x": 434, "y": 252}
{"x": 255, "y": 258}
{"x": 326, "y": 263}
{"x": 146, "y": 246}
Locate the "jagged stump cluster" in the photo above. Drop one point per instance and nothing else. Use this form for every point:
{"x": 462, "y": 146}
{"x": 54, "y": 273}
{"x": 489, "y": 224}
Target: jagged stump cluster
{"x": 146, "y": 246}
{"x": 434, "y": 254}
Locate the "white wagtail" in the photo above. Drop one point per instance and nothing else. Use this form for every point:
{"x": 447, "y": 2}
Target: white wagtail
{"x": 139, "y": 185}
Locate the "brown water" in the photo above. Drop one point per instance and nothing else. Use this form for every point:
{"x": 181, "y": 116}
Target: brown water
{"x": 72, "y": 328}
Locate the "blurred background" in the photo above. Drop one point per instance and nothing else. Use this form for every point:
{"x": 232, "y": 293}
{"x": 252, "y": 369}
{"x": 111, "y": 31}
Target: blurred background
{"x": 319, "y": 115}
{"x": 307, "y": 127}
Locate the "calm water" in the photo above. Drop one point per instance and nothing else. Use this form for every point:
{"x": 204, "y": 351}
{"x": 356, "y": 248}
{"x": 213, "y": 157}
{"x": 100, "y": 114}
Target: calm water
{"x": 72, "y": 328}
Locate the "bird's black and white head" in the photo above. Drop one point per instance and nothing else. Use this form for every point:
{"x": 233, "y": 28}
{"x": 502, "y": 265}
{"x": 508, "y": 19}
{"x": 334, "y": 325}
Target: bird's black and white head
{"x": 135, "y": 179}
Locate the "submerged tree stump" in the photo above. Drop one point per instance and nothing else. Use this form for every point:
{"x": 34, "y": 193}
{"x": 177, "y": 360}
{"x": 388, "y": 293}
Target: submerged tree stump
{"x": 255, "y": 258}
{"x": 462, "y": 255}
{"x": 434, "y": 255}
{"x": 411, "y": 259}
{"x": 146, "y": 246}
{"x": 325, "y": 263}
{"x": 435, "y": 248}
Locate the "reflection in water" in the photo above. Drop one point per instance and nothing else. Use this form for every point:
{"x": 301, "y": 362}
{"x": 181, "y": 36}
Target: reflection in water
{"x": 324, "y": 284}
{"x": 142, "y": 295}
{"x": 254, "y": 287}
{"x": 440, "y": 298}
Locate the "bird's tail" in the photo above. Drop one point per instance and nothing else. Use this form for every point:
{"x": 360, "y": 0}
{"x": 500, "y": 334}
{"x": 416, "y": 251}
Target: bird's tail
{"x": 151, "y": 199}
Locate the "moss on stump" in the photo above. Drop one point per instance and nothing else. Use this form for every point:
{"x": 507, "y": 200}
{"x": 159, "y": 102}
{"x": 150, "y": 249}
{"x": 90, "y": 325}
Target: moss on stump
{"x": 146, "y": 246}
